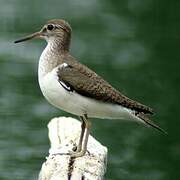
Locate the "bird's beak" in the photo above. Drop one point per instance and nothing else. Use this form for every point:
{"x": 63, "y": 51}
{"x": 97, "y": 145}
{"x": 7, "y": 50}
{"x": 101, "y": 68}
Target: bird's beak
{"x": 31, "y": 36}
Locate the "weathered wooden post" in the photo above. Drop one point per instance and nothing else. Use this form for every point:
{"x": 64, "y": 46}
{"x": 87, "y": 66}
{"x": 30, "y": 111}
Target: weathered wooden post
{"x": 63, "y": 134}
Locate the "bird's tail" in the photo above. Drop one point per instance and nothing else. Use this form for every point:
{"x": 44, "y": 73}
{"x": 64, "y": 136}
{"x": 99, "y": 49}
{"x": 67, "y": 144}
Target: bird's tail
{"x": 149, "y": 122}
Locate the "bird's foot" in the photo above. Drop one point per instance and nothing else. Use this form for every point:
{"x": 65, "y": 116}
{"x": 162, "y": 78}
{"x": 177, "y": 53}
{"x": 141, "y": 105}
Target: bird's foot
{"x": 77, "y": 154}
{"x": 72, "y": 154}
{"x": 77, "y": 151}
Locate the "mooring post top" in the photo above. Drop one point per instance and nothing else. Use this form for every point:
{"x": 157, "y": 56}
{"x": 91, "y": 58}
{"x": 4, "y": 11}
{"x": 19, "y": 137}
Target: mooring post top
{"x": 63, "y": 134}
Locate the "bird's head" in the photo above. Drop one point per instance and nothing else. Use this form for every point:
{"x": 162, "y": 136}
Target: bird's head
{"x": 56, "y": 30}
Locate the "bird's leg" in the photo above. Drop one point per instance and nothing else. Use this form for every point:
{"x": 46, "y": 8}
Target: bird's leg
{"x": 88, "y": 127}
{"x": 79, "y": 147}
{"x": 84, "y": 138}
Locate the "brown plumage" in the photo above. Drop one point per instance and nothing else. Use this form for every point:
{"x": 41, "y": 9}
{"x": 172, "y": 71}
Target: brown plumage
{"x": 85, "y": 81}
{"x": 88, "y": 83}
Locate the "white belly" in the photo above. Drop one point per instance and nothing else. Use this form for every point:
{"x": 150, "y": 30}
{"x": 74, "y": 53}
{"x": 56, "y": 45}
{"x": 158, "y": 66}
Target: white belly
{"x": 76, "y": 104}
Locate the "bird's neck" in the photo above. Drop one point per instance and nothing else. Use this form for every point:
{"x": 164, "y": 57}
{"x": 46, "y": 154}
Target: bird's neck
{"x": 52, "y": 56}
{"x": 59, "y": 43}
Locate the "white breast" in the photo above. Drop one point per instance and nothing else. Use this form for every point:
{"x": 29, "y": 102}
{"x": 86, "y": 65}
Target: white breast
{"x": 71, "y": 101}
{"x": 76, "y": 104}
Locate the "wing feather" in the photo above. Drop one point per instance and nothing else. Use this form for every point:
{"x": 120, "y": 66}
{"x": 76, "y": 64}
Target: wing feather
{"x": 89, "y": 84}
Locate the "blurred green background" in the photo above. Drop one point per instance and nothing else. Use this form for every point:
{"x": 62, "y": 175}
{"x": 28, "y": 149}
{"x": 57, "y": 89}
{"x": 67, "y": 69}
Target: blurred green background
{"x": 133, "y": 44}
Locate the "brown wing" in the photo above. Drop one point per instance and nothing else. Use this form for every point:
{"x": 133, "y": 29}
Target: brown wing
{"x": 87, "y": 83}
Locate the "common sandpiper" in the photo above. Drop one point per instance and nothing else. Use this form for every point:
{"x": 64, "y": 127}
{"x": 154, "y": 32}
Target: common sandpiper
{"x": 73, "y": 87}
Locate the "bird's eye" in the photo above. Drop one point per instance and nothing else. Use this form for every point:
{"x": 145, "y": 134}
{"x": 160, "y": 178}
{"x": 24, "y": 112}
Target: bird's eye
{"x": 50, "y": 27}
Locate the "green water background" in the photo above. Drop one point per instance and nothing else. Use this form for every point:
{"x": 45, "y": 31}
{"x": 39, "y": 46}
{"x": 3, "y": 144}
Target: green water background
{"x": 133, "y": 44}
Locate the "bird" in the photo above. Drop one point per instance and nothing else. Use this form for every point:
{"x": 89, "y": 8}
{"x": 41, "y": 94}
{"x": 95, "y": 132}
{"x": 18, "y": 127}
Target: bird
{"x": 73, "y": 87}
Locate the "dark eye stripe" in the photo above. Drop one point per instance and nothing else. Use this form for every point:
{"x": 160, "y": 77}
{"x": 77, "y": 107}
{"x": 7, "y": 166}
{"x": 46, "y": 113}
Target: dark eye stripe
{"x": 50, "y": 27}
